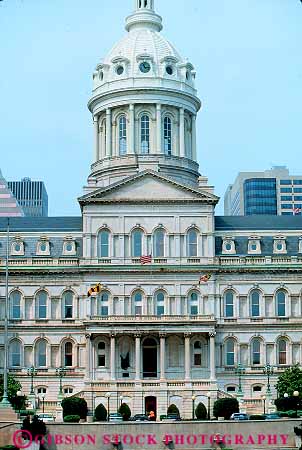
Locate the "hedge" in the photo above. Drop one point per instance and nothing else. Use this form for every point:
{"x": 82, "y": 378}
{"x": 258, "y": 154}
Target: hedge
{"x": 201, "y": 412}
{"x": 100, "y": 413}
{"x": 72, "y": 419}
{"x": 75, "y": 406}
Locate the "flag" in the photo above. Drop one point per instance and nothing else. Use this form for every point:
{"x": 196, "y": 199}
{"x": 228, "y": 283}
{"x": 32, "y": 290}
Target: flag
{"x": 94, "y": 290}
{"x": 146, "y": 259}
{"x": 204, "y": 278}
{"x": 296, "y": 211}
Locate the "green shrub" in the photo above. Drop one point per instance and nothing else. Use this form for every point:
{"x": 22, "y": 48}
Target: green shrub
{"x": 173, "y": 409}
{"x": 72, "y": 419}
{"x": 75, "y": 406}
{"x": 286, "y": 403}
{"x": 100, "y": 413}
{"x": 162, "y": 416}
{"x": 282, "y": 414}
{"x": 292, "y": 414}
{"x": 125, "y": 411}
{"x": 9, "y": 447}
{"x": 201, "y": 412}
{"x": 225, "y": 407}
{"x": 257, "y": 417}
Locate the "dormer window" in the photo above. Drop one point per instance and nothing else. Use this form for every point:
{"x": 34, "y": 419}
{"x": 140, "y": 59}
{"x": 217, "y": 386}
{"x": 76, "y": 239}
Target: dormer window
{"x": 145, "y": 63}
{"x": 254, "y": 245}
{"x": 280, "y": 244}
{"x": 228, "y": 245}
{"x": 17, "y": 247}
{"x": 169, "y": 70}
{"x": 43, "y": 247}
{"x": 119, "y": 70}
{"x": 69, "y": 247}
{"x": 145, "y": 67}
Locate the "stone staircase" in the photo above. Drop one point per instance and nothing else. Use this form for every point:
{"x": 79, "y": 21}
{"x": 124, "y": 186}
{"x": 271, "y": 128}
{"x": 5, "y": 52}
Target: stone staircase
{"x": 8, "y": 414}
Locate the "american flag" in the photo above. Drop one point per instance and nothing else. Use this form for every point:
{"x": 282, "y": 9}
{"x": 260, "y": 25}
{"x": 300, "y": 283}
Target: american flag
{"x": 204, "y": 278}
{"x": 296, "y": 211}
{"x": 146, "y": 259}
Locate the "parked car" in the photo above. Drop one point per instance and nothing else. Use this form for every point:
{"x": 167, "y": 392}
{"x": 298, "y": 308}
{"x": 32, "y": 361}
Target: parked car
{"x": 115, "y": 417}
{"x": 173, "y": 417}
{"x": 46, "y": 417}
{"x": 139, "y": 418}
{"x": 272, "y": 416}
{"x": 239, "y": 416}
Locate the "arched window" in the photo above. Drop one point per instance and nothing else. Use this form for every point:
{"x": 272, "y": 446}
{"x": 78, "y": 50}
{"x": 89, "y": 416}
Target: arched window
{"x": 138, "y": 303}
{"x": 229, "y": 304}
{"x": 255, "y": 304}
{"x": 145, "y": 134}
{"x": 281, "y": 304}
{"x": 103, "y": 244}
{"x": 168, "y": 135}
{"x": 68, "y": 354}
{"x": 103, "y": 304}
{"x": 41, "y": 348}
{"x": 160, "y": 304}
{"x": 68, "y": 305}
{"x": 281, "y": 348}
{"x": 193, "y": 304}
{"x": 122, "y": 135}
{"x": 159, "y": 244}
{"x": 230, "y": 352}
{"x": 137, "y": 243}
{"x": 192, "y": 243}
{"x": 256, "y": 347}
{"x": 101, "y": 356}
{"x": 15, "y": 354}
{"x": 41, "y": 305}
{"x": 15, "y": 302}
{"x": 197, "y": 350}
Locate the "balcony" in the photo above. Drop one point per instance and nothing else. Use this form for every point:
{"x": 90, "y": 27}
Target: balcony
{"x": 153, "y": 319}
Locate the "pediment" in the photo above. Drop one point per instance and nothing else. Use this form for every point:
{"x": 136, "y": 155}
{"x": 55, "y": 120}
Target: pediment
{"x": 148, "y": 186}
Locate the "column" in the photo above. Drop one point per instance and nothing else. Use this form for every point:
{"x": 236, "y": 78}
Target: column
{"x": 96, "y": 139}
{"x": 108, "y": 133}
{"x": 131, "y": 143}
{"x": 112, "y": 356}
{"x": 158, "y": 129}
{"x": 212, "y": 355}
{"x": 115, "y": 143}
{"x": 88, "y": 356}
{"x": 182, "y": 132}
{"x": 187, "y": 356}
{"x": 162, "y": 337}
{"x": 137, "y": 356}
{"x": 194, "y": 149}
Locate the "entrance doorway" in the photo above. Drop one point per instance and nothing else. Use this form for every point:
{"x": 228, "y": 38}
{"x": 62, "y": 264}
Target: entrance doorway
{"x": 150, "y": 358}
{"x": 150, "y": 405}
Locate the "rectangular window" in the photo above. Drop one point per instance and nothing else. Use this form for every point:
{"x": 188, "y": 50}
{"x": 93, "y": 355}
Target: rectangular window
{"x": 255, "y": 308}
{"x": 285, "y": 190}
{"x": 138, "y": 310}
{"x": 297, "y": 190}
{"x": 101, "y": 361}
{"x": 230, "y": 360}
{"x": 298, "y": 198}
{"x": 68, "y": 312}
{"x": 197, "y": 359}
{"x": 68, "y": 360}
{"x": 285, "y": 182}
{"x": 297, "y": 181}
{"x": 256, "y": 357}
{"x": 286, "y": 206}
{"x": 194, "y": 310}
{"x": 104, "y": 310}
{"x": 286, "y": 198}
{"x": 42, "y": 359}
{"x": 160, "y": 310}
{"x": 16, "y": 311}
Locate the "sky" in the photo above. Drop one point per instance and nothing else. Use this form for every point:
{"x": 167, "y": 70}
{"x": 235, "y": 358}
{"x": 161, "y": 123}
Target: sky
{"x": 248, "y": 58}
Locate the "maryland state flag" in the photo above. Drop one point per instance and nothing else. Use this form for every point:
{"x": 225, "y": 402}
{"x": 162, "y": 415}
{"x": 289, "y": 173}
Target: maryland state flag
{"x": 204, "y": 278}
{"x": 95, "y": 290}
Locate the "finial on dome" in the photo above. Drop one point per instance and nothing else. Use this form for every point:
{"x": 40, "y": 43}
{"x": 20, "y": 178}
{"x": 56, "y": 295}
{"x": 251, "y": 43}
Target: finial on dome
{"x": 144, "y": 16}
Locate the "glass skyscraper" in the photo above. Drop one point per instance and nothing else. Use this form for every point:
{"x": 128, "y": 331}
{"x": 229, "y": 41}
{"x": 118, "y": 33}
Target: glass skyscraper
{"x": 31, "y": 196}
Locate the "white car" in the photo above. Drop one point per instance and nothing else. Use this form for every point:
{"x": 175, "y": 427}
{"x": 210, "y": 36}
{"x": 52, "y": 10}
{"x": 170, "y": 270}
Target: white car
{"x": 46, "y": 417}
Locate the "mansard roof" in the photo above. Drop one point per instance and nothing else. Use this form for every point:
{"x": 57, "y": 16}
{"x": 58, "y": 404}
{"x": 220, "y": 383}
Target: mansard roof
{"x": 265, "y": 222}
{"x": 192, "y": 193}
{"x": 39, "y": 224}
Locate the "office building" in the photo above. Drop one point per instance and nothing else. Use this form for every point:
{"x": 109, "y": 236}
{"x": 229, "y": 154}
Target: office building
{"x": 31, "y": 196}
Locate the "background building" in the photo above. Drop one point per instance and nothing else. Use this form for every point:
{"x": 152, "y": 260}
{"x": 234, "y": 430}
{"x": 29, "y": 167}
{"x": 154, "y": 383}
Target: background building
{"x": 154, "y": 335}
{"x": 9, "y": 206}
{"x": 31, "y": 195}
{"x": 273, "y": 192}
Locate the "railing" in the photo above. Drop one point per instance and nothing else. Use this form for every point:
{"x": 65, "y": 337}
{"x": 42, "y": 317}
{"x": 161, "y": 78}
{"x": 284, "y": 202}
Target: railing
{"x": 171, "y": 318}
{"x": 259, "y": 260}
{"x": 41, "y": 262}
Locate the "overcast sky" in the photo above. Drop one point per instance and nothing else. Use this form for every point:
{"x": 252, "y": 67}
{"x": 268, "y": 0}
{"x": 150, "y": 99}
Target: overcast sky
{"x": 247, "y": 54}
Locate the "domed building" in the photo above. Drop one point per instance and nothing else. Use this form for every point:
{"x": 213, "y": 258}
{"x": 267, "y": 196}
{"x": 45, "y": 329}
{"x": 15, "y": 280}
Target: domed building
{"x": 148, "y": 298}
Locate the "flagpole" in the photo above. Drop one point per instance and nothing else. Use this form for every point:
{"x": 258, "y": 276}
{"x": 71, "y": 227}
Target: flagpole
{"x": 5, "y": 402}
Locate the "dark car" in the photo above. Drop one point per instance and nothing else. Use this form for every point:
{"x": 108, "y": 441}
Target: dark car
{"x": 272, "y": 416}
{"x": 139, "y": 418}
{"x": 173, "y": 417}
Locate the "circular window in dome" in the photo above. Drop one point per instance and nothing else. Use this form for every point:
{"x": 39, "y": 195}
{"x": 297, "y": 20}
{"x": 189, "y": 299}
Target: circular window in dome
{"x": 169, "y": 70}
{"x": 188, "y": 75}
{"x": 101, "y": 75}
{"x": 120, "y": 70}
{"x": 145, "y": 67}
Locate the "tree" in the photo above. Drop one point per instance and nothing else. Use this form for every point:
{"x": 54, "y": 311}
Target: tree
{"x": 201, "y": 412}
{"x": 100, "y": 413}
{"x": 289, "y": 381}
{"x": 125, "y": 411}
{"x": 173, "y": 409}
{"x": 13, "y": 386}
{"x": 225, "y": 407}
{"x": 75, "y": 406}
